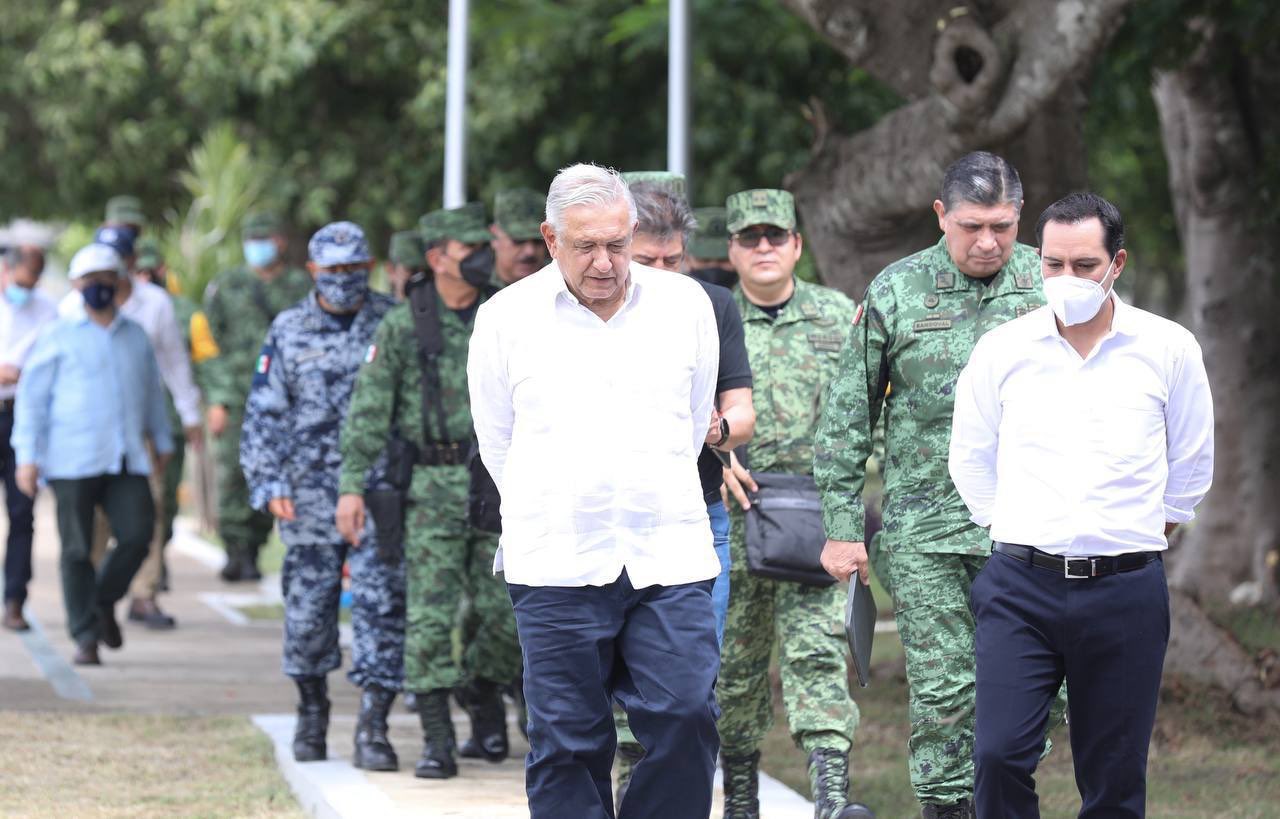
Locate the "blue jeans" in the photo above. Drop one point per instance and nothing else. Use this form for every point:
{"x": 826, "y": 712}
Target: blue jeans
{"x": 720, "y": 591}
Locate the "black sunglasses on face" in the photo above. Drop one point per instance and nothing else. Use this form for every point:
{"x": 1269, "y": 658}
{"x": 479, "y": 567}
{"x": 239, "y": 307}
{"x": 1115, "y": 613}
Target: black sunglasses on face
{"x": 748, "y": 239}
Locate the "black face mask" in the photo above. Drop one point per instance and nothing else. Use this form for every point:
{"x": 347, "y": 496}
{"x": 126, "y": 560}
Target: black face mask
{"x": 477, "y": 268}
{"x": 716, "y": 275}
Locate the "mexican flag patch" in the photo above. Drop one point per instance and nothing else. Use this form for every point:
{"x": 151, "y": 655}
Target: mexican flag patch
{"x": 857, "y": 316}
{"x": 371, "y": 354}
{"x": 264, "y": 364}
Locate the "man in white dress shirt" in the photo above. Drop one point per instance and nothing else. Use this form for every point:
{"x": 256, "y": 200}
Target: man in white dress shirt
{"x": 592, "y": 383}
{"x": 1082, "y": 436}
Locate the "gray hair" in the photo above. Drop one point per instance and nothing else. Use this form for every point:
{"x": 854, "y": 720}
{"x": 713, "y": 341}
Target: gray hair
{"x": 585, "y": 184}
{"x": 981, "y": 178}
{"x": 662, "y": 214}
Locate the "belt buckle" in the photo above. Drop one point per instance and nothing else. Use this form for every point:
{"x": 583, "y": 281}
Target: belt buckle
{"x": 1091, "y": 571}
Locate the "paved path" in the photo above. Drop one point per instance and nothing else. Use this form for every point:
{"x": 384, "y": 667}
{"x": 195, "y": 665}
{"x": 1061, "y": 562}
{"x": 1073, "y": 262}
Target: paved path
{"x": 218, "y": 662}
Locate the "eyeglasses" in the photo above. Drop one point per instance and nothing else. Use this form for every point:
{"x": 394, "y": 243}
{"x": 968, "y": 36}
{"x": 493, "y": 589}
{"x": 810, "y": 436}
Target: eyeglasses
{"x": 748, "y": 239}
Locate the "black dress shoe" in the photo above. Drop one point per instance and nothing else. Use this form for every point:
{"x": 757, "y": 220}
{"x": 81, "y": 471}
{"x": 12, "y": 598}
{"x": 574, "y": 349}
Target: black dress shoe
{"x": 13, "y": 619}
{"x": 149, "y": 614}
{"x": 87, "y": 653}
{"x": 111, "y": 636}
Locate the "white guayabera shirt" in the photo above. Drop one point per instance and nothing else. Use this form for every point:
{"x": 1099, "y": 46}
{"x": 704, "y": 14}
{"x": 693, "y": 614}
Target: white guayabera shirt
{"x": 592, "y": 429}
{"x": 1083, "y": 457}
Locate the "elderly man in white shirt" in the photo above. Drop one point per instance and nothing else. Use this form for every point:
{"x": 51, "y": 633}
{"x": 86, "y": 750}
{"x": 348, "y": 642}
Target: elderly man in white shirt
{"x": 592, "y": 383}
{"x": 1082, "y": 436}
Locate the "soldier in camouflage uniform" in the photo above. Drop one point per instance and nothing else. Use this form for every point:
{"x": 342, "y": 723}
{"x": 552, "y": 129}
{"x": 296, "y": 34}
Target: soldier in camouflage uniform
{"x": 920, "y": 320}
{"x": 289, "y": 448}
{"x": 793, "y": 332}
{"x": 708, "y": 256}
{"x": 405, "y": 256}
{"x": 445, "y": 557}
{"x": 517, "y": 235}
{"x": 240, "y": 304}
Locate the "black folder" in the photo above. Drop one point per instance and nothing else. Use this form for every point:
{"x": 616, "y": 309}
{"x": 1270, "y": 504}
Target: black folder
{"x": 860, "y": 627}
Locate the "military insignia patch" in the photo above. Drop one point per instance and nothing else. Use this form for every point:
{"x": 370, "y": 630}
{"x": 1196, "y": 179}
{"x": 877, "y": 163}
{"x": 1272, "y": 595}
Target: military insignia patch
{"x": 945, "y": 281}
{"x": 931, "y": 324}
{"x": 1022, "y": 281}
{"x": 824, "y": 342}
{"x": 264, "y": 364}
{"x": 931, "y": 300}
{"x": 857, "y": 315}
{"x": 371, "y": 354}
{"x": 759, "y": 199}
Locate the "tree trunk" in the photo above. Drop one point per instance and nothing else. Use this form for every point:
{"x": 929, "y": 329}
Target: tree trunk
{"x": 1213, "y": 114}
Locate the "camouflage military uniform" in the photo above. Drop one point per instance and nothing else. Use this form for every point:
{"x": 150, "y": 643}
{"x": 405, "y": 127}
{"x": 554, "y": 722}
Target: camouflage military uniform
{"x": 240, "y": 307}
{"x": 793, "y": 359}
{"x": 916, "y": 329}
{"x": 289, "y": 449}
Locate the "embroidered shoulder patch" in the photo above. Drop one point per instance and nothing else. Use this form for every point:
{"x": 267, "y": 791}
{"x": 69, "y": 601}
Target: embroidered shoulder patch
{"x": 371, "y": 354}
{"x": 857, "y": 315}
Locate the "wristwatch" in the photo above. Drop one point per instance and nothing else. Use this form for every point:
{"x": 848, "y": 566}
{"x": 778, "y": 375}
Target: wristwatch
{"x": 724, "y": 432}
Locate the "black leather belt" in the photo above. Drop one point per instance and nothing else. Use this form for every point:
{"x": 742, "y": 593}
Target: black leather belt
{"x": 450, "y": 453}
{"x": 1077, "y": 568}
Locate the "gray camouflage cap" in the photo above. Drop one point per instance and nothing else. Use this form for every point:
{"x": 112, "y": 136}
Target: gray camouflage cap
{"x": 406, "y": 249}
{"x": 672, "y": 183}
{"x": 338, "y": 243}
{"x": 465, "y": 223}
{"x": 711, "y": 238}
{"x": 125, "y": 210}
{"x": 761, "y": 206}
{"x": 520, "y": 212}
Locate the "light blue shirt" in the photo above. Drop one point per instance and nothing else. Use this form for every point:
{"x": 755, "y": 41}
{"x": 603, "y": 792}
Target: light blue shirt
{"x": 88, "y": 399}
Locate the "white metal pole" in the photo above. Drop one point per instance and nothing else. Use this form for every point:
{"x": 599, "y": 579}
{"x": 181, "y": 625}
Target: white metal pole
{"x": 678, "y": 88}
{"x": 455, "y": 108}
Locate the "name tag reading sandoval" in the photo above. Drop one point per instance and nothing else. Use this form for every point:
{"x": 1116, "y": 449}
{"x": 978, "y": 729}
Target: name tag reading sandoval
{"x": 931, "y": 323}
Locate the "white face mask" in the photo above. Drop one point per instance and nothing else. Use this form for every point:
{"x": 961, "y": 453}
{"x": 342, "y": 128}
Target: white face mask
{"x": 1075, "y": 300}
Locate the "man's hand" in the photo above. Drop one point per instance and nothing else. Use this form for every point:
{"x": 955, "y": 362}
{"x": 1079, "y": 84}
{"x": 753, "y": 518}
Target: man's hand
{"x": 27, "y": 477}
{"x": 9, "y": 374}
{"x": 195, "y": 436}
{"x": 350, "y": 518}
{"x": 737, "y": 482}
{"x": 161, "y": 461}
{"x": 841, "y": 558}
{"x": 713, "y": 429}
{"x": 282, "y": 508}
{"x": 217, "y": 418}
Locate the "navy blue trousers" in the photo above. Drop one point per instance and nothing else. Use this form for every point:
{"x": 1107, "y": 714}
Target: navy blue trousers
{"x": 1106, "y": 636}
{"x": 654, "y": 651}
{"x": 17, "y": 552}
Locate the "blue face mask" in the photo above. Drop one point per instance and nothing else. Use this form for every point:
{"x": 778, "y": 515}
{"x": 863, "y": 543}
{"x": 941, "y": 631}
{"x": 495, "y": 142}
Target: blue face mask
{"x": 98, "y": 295}
{"x": 343, "y": 291}
{"x": 260, "y": 252}
{"x": 17, "y": 295}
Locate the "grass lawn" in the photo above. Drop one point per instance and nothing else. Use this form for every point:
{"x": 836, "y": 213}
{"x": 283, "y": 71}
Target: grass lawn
{"x": 143, "y": 766}
{"x": 1206, "y": 759}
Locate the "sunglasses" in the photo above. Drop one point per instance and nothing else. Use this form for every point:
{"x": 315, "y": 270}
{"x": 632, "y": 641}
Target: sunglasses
{"x": 748, "y": 239}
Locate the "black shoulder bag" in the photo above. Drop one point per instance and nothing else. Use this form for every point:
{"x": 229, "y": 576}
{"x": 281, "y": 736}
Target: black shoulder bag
{"x": 783, "y": 528}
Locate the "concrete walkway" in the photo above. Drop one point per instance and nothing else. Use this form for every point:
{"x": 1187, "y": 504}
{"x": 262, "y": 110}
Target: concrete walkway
{"x": 219, "y": 662}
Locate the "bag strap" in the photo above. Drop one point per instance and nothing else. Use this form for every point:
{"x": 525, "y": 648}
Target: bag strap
{"x": 424, "y": 304}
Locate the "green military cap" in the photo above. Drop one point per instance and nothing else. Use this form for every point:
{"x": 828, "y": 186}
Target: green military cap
{"x": 711, "y": 238}
{"x": 147, "y": 254}
{"x": 519, "y": 212}
{"x": 406, "y": 249}
{"x": 465, "y": 223}
{"x": 672, "y": 183}
{"x": 125, "y": 210}
{"x": 260, "y": 224}
{"x": 762, "y": 206}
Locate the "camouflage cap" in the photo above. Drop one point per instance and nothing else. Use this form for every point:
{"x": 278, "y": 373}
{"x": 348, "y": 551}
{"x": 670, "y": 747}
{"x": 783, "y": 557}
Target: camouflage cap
{"x": 338, "y": 243}
{"x": 761, "y": 206}
{"x": 148, "y": 255}
{"x": 465, "y": 223}
{"x": 124, "y": 210}
{"x": 262, "y": 224}
{"x": 711, "y": 238}
{"x": 406, "y": 249}
{"x": 672, "y": 183}
{"x": 520, "y": 212}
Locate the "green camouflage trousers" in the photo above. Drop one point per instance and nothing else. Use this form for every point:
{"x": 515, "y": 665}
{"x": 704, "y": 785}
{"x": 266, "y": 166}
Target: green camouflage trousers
{"x": 445, "y": 560}
{"x": 239, "y": 524}
{"x": 806, "y": 622}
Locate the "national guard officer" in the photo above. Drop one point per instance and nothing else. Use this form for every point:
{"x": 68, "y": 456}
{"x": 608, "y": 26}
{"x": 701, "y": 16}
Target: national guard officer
{"x": 445, "y": 557}
{"x": 405, "y": 256}
{"x": 794, "y": 330}
{"x": 915, "y": 330}
{"x": 517, "y": 238}
{"x": 240, "y": 304}
{"x": 289, "y": 447}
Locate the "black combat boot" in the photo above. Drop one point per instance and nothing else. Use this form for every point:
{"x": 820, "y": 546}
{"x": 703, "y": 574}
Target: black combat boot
{"x": 482, "y": 701}
{"x": 249, "y": 564}
{"x": 741, "y": 785}
{"x": 952, "y": 810}
{"x": 373, "y": 749}
{"x": 313, "y": 719}
{"x": 438, "y": 743}
{"x": 629, "y": 755}
{"x": 829, "y": 784}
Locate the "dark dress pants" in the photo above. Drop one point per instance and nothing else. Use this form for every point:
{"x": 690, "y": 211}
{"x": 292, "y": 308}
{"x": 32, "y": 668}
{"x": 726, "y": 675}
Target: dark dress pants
{"x": 652, "y": 650}
{"x": 126, "y": 500}
{"x": 1106, "y": 636}
{"x": 17, "y": 552}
